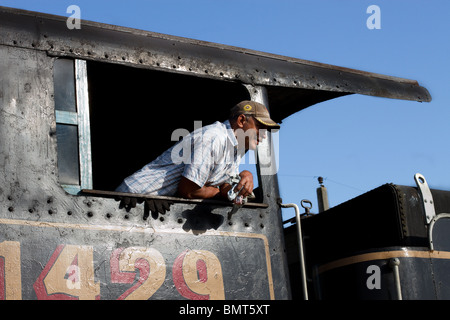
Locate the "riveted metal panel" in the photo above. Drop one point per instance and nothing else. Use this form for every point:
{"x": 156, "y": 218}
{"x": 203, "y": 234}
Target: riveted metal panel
{"x": 40, "y": 220}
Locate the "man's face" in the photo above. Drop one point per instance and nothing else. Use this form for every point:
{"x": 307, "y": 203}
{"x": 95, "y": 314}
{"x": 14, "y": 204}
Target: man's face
{"x": 254, "y": 132}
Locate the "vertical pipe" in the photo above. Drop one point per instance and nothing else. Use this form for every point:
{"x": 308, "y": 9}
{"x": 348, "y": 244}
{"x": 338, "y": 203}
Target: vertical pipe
{"x": 300, "y": 247}
{"x": 394, "y": 263}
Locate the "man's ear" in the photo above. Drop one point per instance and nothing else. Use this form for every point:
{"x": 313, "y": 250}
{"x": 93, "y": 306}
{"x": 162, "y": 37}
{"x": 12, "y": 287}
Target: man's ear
{"x": 240, "y": 121}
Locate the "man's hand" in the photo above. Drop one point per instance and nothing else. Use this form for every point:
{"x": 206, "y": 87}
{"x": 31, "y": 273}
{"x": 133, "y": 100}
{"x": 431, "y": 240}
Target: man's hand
{"x": 153, "y": 205}
{"x": 246, "y": 184}
{"x": 127, "y": 202}
{"x": 157, "y": 205}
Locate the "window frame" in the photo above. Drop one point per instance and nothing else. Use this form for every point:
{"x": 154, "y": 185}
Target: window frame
{"x": 80, "y": 119}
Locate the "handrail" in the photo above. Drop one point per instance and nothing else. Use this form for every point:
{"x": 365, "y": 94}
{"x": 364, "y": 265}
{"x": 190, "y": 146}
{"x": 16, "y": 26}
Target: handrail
{"x": 114, "y": 194}
{"x": 300, "y": 246}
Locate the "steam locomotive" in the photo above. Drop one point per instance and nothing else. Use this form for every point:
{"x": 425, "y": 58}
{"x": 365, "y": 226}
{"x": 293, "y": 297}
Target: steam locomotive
{"x": 80, "y": 109}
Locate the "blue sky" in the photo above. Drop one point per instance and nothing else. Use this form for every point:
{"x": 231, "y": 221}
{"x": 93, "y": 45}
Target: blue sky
{"x": 356, "y": 143}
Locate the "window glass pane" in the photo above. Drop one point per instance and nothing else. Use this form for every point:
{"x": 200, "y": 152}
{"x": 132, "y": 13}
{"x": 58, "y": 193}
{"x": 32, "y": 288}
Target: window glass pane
{"x": 64, "y": 79}
{"x": 67, "y": 136}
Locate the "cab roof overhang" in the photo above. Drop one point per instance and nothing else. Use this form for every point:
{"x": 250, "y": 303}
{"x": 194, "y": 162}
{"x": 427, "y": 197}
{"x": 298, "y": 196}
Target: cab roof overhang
{"x": 292, "y": 84}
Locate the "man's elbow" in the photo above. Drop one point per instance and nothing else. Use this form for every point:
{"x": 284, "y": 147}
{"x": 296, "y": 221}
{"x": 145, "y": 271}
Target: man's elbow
{"x": 185, "y": 194}
{"x": 187, "y": 189}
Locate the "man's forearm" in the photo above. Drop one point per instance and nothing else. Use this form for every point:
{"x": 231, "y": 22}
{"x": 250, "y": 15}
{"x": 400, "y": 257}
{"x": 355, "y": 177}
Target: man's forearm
{"x": 189, "y": 190}
{"x": 203, "y": 193}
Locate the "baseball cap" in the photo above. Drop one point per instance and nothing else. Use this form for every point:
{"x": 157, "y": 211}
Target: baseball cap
{"x": 257, "y": 110}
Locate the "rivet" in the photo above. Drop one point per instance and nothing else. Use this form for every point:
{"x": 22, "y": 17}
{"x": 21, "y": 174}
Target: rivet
{"x": 10, "y": 209}
{"x": 90, "y": 214}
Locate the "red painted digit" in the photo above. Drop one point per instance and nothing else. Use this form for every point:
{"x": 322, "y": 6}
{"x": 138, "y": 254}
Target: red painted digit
{"x": 118, "y": 276}
{"x": 197, "y": 275}
{"x": 39, "y": 285}
{"x": 180, "y": 283}
{"x": 68, "y": 275}
{"x": 151, "y": 266}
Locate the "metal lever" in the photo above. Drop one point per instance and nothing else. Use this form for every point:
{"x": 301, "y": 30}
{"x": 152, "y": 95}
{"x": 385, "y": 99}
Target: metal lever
{"x": 427, "y": 198}
{"x": 307, "y": 208}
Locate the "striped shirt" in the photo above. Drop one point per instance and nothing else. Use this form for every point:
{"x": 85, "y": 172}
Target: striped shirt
{"x": 208, "y": 156}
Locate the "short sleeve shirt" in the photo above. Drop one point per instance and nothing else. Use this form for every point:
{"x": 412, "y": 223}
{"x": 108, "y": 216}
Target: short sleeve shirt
{"x": 207, "y": 156}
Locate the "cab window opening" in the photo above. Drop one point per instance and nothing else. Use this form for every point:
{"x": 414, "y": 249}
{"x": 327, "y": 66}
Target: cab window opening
{"x": 132, "y": 114}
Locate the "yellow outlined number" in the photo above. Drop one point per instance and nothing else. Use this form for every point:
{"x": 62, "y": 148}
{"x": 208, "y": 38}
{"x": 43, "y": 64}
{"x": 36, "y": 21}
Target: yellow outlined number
{"x": 151, "y": 266}
{"x": 69, "y": 273}
{"x": 197, "y": 275}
